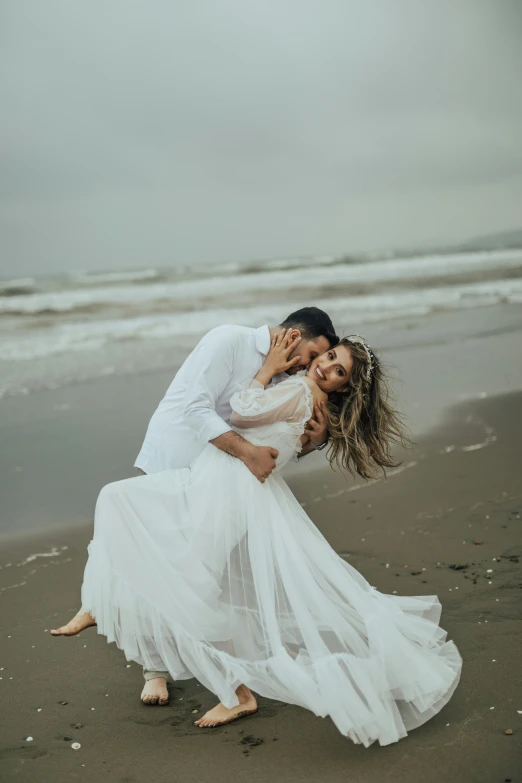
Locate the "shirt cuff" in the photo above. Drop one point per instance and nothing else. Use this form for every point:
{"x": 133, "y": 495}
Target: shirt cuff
{"x": 213, "y": 429}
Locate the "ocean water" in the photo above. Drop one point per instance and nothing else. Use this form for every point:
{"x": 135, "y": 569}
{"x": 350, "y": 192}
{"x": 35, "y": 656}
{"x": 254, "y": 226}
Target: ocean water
{"x": 68, "y": 328}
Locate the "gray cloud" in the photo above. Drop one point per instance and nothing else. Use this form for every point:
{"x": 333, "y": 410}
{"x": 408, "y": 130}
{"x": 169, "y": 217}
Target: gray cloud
{"x": 169, "y": 132}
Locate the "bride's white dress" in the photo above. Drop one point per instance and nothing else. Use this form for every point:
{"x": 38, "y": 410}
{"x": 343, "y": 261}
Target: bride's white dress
{"x": 207, "y": 573}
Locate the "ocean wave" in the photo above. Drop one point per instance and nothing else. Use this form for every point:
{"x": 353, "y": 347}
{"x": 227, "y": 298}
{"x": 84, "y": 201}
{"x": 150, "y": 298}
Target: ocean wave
{"x": 18, "y": 287}
{"x": 259, "y": 267}
{"x": 377, "y": 273}
{"x": 93, "y": 335}
{"x": 108, "y": 278}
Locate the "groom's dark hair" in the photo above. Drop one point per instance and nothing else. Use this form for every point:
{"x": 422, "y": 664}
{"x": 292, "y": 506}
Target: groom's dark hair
{"x": 312, "y": 323}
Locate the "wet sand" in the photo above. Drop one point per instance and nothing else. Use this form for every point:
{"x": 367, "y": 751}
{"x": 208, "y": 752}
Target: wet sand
{"x": 436, "y": 526}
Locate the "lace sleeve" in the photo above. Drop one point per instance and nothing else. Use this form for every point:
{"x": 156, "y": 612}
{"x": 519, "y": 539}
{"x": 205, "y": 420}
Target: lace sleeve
{"x": 256, "y": 406}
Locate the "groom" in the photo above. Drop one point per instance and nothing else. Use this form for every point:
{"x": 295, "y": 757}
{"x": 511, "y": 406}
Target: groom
{"x": 196, "y": 409}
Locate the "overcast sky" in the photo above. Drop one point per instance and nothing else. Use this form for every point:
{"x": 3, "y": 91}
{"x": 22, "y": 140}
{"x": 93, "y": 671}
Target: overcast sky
{"x": 159, "y": 132}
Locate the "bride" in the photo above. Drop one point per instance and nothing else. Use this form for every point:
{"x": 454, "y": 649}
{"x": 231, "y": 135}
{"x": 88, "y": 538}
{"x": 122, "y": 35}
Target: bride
{"x": 208, "y": 573}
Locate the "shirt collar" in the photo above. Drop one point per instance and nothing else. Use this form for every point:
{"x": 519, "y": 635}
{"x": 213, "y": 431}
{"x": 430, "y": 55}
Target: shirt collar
{"x": 263, "y": 339}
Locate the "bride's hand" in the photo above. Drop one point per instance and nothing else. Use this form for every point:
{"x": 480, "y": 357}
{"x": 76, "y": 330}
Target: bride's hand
{"x": 281, "y": 346}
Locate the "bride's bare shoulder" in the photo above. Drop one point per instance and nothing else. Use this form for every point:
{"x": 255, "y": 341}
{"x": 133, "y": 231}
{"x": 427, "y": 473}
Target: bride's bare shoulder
{"x": 318, "y": 394}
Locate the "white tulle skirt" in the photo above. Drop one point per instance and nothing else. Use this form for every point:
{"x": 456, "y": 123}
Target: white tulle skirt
{"x": 207, "y": 573}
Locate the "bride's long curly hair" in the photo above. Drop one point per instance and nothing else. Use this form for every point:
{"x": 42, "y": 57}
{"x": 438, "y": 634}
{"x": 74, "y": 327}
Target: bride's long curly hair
{"x": 363, "y": 423}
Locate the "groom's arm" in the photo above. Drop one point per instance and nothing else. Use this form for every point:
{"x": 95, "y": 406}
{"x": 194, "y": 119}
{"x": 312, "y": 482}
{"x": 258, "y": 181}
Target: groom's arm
{"x": 212, "y": 365}
{"x": 316, "y": 430}
{"x": 210, "y": 368}
{"x": 307, "y": 449}
{"x": 260, "y": 460}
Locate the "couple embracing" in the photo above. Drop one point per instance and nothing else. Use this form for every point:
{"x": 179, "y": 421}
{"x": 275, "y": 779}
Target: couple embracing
{"x": 205, "y": 565}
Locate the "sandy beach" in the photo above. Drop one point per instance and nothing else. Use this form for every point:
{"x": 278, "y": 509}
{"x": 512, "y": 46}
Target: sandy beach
{"x": 447, "y": 522}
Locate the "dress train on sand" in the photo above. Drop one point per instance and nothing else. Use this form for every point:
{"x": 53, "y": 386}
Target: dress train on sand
{"x": 207, "y": 573}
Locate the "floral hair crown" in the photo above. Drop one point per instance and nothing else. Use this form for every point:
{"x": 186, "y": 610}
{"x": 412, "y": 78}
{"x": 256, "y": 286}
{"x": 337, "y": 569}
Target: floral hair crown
{"x": 356, "y": 338}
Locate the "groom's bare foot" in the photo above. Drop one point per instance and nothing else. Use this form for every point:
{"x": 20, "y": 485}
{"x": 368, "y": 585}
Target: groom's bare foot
{"x": 78, "y": 623}
{"x": 155, "y": 691}
{"x": 220, "y": 714}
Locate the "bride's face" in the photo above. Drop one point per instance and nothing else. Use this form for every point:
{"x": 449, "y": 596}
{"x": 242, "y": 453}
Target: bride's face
{"x": 332, "y": 369}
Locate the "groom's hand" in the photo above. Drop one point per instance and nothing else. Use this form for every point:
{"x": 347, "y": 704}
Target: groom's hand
{"x": 261, "y": 461}
{"x": 317, "y": 427}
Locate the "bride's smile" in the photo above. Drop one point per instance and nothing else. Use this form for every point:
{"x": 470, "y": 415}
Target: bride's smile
{"x": 331, "y": 370}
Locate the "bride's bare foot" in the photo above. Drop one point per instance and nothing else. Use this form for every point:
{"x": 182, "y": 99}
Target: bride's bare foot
{"x": 155, "y": 691}
{"x": 220, "y": 715}
{"x": 78, "y": 623}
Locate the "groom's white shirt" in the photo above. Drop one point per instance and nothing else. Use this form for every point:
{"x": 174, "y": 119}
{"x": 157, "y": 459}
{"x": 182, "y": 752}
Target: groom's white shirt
{"x": 196, "y": 407}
